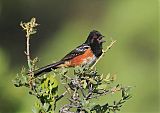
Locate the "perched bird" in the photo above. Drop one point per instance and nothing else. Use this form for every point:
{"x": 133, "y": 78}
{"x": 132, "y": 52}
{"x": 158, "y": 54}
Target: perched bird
{"x": 85, "y": 54}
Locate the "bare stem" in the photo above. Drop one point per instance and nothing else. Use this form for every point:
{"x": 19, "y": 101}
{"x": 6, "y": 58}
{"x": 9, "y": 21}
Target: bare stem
{"x": 103, "y": 52}
{"x": 29, "y": 27}
{"x": 28, "y": 54}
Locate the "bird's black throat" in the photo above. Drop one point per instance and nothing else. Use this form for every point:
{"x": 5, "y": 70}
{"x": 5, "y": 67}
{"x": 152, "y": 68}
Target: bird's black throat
{"x": 96, "y": 47}
{"x": 95, "y": 41}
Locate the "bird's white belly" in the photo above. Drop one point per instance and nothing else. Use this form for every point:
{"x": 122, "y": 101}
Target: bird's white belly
{"x": 90, "y": 60}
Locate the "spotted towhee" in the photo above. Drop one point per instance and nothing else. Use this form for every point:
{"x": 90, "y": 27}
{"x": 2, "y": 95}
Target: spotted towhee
{"x": 85, "y": 54}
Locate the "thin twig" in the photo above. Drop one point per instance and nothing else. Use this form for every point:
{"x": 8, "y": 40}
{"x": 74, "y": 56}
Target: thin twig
{"x": 58, "y": 98}
{"x": 61, "y": 96}
{"x": 90, "y": 92}
{"x": 103, "y": 52}
{"x": 82, "y": 92}
{"x": 29, "y": 27}
{"x": 28, "y": 53}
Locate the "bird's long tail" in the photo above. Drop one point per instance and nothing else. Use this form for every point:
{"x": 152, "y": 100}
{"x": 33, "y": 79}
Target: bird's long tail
{"x": 47, "y": 68}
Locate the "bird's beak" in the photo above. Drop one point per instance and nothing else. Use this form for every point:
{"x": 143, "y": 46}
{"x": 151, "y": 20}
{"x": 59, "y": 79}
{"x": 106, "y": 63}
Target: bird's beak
{"x": 101, "y": 39}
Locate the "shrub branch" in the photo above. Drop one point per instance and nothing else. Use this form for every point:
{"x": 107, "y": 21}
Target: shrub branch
{"x": 29, "y": 28}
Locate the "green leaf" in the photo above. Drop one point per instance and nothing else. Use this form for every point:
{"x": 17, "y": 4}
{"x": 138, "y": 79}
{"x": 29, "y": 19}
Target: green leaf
{"x": 102, "y": 86}
{"x": 92, "y": 81}
{"x": 46, "y": 106}
{"x": 36, "y": 108}
{"x": 84, "y": 84}
{"x": 107, "y": 79}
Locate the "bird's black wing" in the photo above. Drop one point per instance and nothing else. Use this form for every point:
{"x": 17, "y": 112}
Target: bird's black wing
{"x": 78, "y": 51}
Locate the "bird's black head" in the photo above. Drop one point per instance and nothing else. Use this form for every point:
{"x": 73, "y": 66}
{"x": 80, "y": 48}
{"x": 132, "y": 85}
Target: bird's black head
{"x": 95, "y": 36}
{"x": 95, "y": 40}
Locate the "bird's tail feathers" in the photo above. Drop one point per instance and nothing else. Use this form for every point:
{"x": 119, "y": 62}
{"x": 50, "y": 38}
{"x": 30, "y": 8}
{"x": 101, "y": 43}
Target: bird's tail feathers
{"x": 47, "y": 68}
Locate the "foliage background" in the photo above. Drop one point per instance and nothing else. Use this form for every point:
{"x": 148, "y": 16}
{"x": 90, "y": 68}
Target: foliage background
{"x": 64, "y": 25}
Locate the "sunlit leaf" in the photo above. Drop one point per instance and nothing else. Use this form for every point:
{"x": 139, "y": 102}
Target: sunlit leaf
{"x": 84, "y": 84}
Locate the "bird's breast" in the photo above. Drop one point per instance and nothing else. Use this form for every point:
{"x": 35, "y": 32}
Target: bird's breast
{"x": 86, "y": 58}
